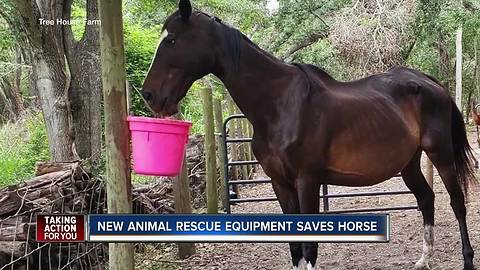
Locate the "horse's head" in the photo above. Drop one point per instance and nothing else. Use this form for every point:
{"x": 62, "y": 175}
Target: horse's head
{"x": 184, "y": 55}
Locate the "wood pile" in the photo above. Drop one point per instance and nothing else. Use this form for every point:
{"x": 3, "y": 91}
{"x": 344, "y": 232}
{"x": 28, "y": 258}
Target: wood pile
{"x": 56, "y": 188}
{"x": 196, "y": 170}
{"x": 69, "y": 188}
{"x": 62, "y": 188}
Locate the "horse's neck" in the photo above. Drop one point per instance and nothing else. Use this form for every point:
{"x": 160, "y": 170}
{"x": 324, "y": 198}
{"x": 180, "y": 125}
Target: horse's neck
{"x": 257, "y": 83}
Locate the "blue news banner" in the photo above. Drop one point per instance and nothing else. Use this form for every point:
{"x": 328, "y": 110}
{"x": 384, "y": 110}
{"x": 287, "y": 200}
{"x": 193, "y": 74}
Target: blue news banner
{"x": 238, "y": 228}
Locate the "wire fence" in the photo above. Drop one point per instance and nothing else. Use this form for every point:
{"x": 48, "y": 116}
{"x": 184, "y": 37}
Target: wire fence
{"x": 66, "y": 188}
{"x": 68, "y": 191}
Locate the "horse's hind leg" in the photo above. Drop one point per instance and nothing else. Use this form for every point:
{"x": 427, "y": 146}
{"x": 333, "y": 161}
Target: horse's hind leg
{"x": 441, "y": 155}
{"x": 415, "y": 181}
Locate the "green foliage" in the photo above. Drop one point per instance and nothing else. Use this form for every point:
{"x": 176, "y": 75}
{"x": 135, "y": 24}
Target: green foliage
{"x": 37, "y": 145}
{"x": 140, "y": 45}
{"x": 79, "y": 14}
{"x": 297, "y": 20}
{"x": 191, "y": 108}
{"x": 6, "y": 40}
{"x": 324, "y": 55}
{"x": 424, "y": 57}
{"x": 22, "y": 144}
{"x": 7, "y": 45}
{"x": 148, "y": 13}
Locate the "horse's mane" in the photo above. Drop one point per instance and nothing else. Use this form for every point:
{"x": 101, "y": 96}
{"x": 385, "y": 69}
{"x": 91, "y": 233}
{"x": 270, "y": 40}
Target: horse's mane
{"x": 234, "y": 37}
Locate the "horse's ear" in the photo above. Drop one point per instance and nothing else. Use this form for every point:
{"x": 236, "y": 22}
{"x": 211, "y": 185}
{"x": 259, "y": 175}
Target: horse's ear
{"x": 185, "y": 9}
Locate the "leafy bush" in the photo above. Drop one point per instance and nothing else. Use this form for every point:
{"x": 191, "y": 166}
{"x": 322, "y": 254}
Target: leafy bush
{"x": 22, "y": 144}
{"x": 37, "y": 146}
{"x": 140, "y": 45}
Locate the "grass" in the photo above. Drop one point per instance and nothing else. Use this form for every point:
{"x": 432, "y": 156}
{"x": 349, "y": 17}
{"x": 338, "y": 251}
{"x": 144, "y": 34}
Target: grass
{"x": 22, "y": 144}
{"x": 143, "y": 179}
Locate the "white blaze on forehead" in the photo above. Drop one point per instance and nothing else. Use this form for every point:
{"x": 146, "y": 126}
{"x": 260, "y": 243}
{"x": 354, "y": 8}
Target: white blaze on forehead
{"x": 162, "y": 37}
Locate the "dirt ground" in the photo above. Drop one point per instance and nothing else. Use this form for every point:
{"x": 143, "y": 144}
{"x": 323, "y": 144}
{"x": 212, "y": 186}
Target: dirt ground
{"x": 403, "y": 250}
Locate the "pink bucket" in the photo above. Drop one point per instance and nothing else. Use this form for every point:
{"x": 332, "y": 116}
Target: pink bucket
{"x": 158, "y": 145}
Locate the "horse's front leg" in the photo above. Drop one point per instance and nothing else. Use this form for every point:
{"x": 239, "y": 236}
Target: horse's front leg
{"x": 288, "y": 199}
{"x": 308, "y": 189}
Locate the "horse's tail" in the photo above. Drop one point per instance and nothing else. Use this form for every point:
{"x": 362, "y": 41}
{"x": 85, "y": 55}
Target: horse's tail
{"x": 462, "y": 151}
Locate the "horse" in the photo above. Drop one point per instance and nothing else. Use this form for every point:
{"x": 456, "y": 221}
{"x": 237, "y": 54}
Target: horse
{"x": 310, "y": 129}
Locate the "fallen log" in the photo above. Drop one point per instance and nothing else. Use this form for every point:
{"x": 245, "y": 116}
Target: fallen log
{"x": 69, "y": 188}
{"x": 15, "y": 232}
{"x": 42, "y": 168}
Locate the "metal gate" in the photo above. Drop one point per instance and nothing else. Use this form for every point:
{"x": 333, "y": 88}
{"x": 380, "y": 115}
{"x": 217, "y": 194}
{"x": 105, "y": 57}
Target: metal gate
{"x": 325, "y": 196}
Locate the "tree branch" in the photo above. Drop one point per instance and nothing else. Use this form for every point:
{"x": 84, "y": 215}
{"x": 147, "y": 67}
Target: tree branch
{"x": 68, "y": 37}
{"x": 30, "y": 14}
{"x": 469, "y": 6}
{"x": 311, "y": 11}
{"x": 91, "y": 31}
{"x": 311, "y": 39}
{"x": 406, "y": 53}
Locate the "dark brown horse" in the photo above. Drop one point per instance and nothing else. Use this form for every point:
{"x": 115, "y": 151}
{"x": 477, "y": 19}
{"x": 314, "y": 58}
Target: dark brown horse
{"x": 311, "y": 129}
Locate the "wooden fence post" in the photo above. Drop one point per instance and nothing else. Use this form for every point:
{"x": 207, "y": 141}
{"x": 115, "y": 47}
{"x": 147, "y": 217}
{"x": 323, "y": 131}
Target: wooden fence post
{"x": 477, "y": 66}
{"x": 210, "y": 155}
{"x": 117, "y": 141}
{"x": 217, "y": 107}
{"x": 250, "y": 134}
{"x": 429, "y": 172}
{"x": 247, "y": 146}
{"x": 233, "y": 147}
{"x": 241, "y": 148}
{"x": 181, "y": 191}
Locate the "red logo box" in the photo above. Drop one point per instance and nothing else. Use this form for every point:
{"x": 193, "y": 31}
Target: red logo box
{"x": 60, "y": 228}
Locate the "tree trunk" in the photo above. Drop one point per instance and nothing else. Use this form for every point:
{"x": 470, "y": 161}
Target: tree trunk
{"x": 16, "y": 89}
{"x": 51, "y": 87}
{"x": 7, "y": 110}
{"x": 444, "y": 65}
{"x": 85, "y": 94}
{"x": 48, "y": 63}
{"x": 469, "y": 107}
{"x": 32, "y": 93}
{"x": 458, "y": 73}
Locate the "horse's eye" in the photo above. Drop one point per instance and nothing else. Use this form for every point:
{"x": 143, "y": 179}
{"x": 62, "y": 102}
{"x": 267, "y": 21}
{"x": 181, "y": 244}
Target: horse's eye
{"x": 170, "y": 41}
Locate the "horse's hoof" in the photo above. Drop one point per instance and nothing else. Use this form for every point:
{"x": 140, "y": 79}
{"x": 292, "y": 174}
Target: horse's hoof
{"x": 468, "y": 266}
{"x": 233, "y": 195}
{"x": 422, "y": 265}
